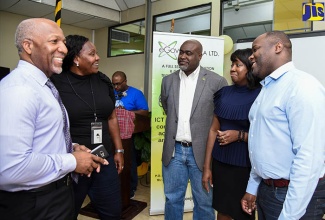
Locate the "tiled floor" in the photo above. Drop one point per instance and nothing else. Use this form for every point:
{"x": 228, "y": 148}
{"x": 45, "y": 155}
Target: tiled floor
{"x": 143, "y": 194}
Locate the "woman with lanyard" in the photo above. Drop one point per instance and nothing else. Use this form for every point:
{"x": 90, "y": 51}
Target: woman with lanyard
{"x": 88, "y": 96}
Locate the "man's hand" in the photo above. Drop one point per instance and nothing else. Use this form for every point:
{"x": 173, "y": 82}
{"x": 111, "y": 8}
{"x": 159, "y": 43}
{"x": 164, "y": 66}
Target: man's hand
{"x": 248, "y": 203}
{"x": 87, "y": 162}
{"x": 207, "y": 179}
{"x": 77, "y": 147}
{"x": 119, "y": 162}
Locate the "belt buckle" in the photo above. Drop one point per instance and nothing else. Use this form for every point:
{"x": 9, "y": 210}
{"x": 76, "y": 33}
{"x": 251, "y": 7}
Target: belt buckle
{"x": 185, "y": 144}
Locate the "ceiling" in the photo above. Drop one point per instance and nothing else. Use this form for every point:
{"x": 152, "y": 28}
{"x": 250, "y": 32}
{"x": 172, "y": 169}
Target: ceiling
{"x": 77, "y": 16}
{"x": 95, "y": 14}
{"x": 90, "y": 14}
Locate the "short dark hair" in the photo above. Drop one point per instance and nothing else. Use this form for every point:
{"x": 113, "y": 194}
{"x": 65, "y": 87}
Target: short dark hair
{"x": 280, "y": 36}
{"x": 121, "y": 74}
{"x": 74, "y": 43}
{"x": 276, "y": 36}
{"x": 243, "y": 55}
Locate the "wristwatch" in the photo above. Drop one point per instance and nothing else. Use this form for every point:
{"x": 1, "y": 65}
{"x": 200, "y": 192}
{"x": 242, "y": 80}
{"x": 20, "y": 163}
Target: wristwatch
{"x": 119, "y": 151}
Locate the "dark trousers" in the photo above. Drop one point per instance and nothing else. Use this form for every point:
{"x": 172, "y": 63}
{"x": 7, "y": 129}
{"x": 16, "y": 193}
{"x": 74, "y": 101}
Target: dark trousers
{"x": 270, "y": 201}
{"x": 104, "y": 191}
{"x": 24, "y": 205}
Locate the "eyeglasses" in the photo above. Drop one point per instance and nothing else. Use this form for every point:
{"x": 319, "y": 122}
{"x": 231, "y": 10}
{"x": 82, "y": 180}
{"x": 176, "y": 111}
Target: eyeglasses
{"x": 118, "y": 84}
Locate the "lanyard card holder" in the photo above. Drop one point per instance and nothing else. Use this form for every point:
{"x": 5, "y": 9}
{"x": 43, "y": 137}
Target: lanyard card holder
{"x": 96, "y": 132}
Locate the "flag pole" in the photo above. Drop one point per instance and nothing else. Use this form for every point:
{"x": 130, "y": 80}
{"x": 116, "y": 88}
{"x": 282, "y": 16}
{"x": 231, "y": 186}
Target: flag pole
{"x": 58, "y": 7}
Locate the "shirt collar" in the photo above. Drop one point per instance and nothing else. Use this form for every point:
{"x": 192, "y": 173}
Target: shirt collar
{"x": 34, "y": 72}
{"x": 193, "y": 75}
{"x": 276, "y": 74}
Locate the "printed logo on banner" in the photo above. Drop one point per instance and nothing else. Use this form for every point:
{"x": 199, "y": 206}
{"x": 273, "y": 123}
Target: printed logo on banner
{"x": 313, "y": 11}
{"x": 169, "y": 50}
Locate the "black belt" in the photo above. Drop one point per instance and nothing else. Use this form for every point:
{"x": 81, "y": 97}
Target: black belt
{"x": 184, "y": 143}
{"x": 65, "y": 181}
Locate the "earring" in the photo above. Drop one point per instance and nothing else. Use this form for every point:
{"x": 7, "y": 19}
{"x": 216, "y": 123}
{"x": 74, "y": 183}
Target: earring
{"x": 77, "y": 64}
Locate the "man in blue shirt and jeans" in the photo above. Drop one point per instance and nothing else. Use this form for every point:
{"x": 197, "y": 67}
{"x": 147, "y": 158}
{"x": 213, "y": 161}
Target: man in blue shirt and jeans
{"x": 286, "y": 136}
{"x": 131, "y": 99}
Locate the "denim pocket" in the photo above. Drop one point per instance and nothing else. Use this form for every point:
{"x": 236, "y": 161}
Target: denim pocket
{"x": 280, "y": 193}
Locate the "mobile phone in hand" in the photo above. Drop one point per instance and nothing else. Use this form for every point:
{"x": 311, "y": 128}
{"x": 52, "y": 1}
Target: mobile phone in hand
{"x": 100, "y": 151}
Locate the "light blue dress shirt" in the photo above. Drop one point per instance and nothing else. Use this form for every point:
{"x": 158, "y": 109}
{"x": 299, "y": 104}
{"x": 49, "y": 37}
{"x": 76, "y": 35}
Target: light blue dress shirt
{"x": 32, "y": 145}
{"x": 286, "y": 136}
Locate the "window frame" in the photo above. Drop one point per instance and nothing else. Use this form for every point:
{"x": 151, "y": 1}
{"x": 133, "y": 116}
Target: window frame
{"x": 109, "y": 46}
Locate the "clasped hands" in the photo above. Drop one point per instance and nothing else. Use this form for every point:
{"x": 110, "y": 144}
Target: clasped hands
{"x": 227, "y": 137}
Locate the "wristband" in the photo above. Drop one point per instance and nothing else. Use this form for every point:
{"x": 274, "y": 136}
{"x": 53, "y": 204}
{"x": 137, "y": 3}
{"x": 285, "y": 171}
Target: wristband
{"x": 119, "y": 151}
{"x": 239, "y": 135}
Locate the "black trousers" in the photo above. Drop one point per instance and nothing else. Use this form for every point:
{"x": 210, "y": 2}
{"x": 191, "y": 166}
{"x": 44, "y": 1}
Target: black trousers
{"x": 103, "y": 189}
{"x": 25, "y": 205}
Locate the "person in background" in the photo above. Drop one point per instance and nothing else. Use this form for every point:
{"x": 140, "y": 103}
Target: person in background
{"x": 36, "y": 156}
{"x": 286, "y": 136}
{"x": 227, "y": 140}
{"x": 187, "y": 99}
{"x": 89, "y": 98}
{"x": 130, "y": 99}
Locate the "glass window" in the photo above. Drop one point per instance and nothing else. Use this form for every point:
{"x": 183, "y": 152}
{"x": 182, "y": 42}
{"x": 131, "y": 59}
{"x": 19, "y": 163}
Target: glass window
{"x": 237, "y": 25}
{"x": 194, "y": 20}
{"x": 126, "y": 39}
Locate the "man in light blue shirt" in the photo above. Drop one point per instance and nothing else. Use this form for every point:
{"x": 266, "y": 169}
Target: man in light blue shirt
{"x": 286, "y": 136}
{"x": 35, "y": 159}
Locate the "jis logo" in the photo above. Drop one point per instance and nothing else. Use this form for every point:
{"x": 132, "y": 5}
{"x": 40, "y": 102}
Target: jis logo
{"x": 313, "y": 11}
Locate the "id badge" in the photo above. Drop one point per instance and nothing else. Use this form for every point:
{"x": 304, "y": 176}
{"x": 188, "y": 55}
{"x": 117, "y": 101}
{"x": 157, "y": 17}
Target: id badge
{"x": 96, "y": 132}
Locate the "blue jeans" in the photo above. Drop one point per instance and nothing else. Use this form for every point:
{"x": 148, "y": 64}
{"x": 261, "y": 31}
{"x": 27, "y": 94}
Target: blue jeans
{"x": 270, "y": 201}
{"x": 175, "y": 176}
